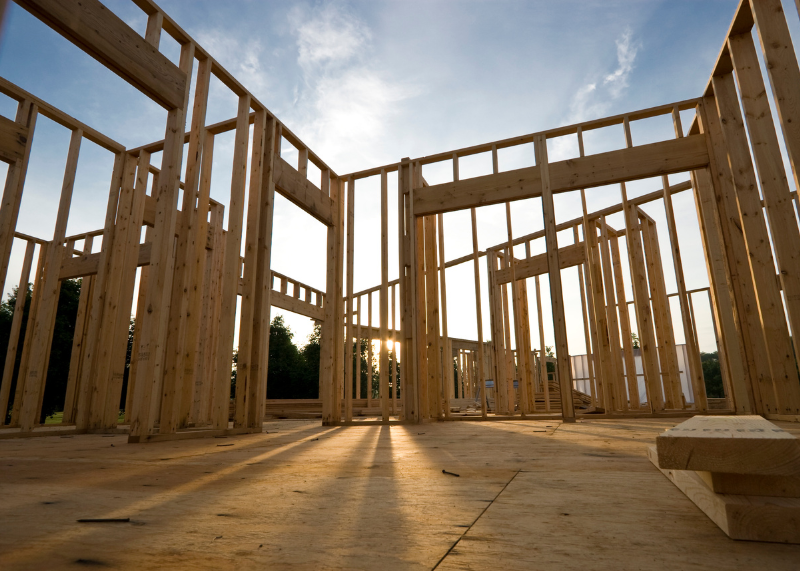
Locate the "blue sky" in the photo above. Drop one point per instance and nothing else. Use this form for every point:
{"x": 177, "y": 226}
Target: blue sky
{"x": 367, "y": 83}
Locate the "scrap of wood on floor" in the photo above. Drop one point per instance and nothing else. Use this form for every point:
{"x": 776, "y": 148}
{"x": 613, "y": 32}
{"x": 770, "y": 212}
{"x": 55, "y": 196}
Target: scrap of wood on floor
{"x": 743, "y": 472}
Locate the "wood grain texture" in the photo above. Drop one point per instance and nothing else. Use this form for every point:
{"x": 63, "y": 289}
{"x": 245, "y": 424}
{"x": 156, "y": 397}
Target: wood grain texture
{"x": 731, "y": 444}
{"x": 643, "y": 161}
{"x": 104, "y": 36}
{"x": 13, "y": 140}
{"x": 302, "y": 192}
{"x": 752, "y": 484}
{"x": 568, "y": 256}
{"x": 753, "y": 518}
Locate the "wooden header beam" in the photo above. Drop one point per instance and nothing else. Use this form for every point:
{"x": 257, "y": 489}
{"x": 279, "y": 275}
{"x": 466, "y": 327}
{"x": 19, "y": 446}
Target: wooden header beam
{"x": 656, "y": 159}
{"x": 13, "y": 140}
{"x": 18, "y": 94}
{"x": 104, "y": 36}
{"x": 568, "y": 256}
{"x": 639, "y": 200}
{"x": 302, "y": 192}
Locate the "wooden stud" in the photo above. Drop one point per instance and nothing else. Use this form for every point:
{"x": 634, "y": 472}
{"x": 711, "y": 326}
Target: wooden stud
{"x": 783, "y": 71}
{"x": 516, "y": 301}
{"x": 247, "y": 378}
{"x": 349, "y": 348}
{"x": 584, "y": 313}
{"x": 109, "y": 365}
{"x": 76, "y": 361}
{"x": 359, "y": 349}
{"x": 330, "y": 348}
{"x": 615, "y": 385}
{"x": 625, "y": 325}
{"x": 16, "y": 325}
{"x": 384, "y": 304}
{"x": 154, "y": 328}
{"x": 434, "y": 393}
{"x": 779, "y": 348}
{"x": 556, "y": 295}
{"x": 496, "y": 316}
{"x": 605, "y": 371}
{"x": 480, "y": 376}
{"x": 369, "y": 350}
{"x": 337, "y": 298}
{"x": 644, "y": 315}
{"x": 34, "y": 375}
{"x": 769, "y": 165}
{"x": 213, "y": 304}
{"x": 419, "y": 306}
{"x": 694, "y": 365}
{"x": 182, "y": 337}
{"x": 231, "y": 273}
{"x": 27, "y": 113}
{"x": 93, "y": 334}
{"x": 665, "y": 337}
{"x": 407, "y": 281}
{"x": 733, "y": 292}
{"x": 526, "y": 382}
{"x": 393, "y": 370}
{"x": 447, "y": 353}
{"x": 36, "y": 295}
{"x": 507, "y": 355}
{"x": 542, "y": 348}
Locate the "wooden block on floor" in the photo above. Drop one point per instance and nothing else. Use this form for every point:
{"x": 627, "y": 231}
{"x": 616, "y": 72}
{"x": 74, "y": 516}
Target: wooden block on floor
{"x": 752, "y": 484}
{"x": 752, "y": 518}
{"x": 729, "y": 444}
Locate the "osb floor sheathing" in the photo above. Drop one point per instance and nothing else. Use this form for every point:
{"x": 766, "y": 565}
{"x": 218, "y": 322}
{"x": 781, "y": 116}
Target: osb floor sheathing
{"x": 529, "y": 495}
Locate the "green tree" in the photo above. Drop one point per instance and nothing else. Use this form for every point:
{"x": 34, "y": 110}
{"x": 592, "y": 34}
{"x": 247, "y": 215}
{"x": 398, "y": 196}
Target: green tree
{"x": 60, "y": 349}
{"x": 310, "y": 354}
{"x": 635, "y": 339}
{"x": 551, "y": 367}
{"x": 234, "y": 370}
{"x": 127, "y": 373}
{"x": 712, "y": 375}
{"x": 370, "y": 377}
{"x": 289, "y": 375}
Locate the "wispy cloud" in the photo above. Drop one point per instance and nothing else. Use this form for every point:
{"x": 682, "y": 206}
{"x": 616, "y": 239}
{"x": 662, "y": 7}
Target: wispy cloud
{"x": 626, "y": 54}
{"x": 331, "y": 37}
{"x": 242, "y": 58}
{"x": 345, "y": 103}
{"x": 596, "y": 96}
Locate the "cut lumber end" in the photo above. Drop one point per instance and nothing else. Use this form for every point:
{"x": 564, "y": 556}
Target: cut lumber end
{"x": 729, "y": 444}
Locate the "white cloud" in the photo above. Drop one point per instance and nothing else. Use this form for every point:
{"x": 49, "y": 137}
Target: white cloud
{"x": 345, "y": 104}
{"x": 626, "y": 54}
{"x": 332, "y": 36}
{"x": 593, "y": 99}
{"x": 241, "y": 58}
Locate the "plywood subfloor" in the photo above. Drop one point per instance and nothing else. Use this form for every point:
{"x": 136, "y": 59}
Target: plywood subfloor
{"x": 530, "y": 495}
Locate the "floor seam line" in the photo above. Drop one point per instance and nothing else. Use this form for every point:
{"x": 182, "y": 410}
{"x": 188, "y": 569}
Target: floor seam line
{"x": 480, "y": 515}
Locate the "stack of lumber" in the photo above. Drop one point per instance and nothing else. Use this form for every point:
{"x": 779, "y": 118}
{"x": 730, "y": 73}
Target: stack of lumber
{"x": 465, "y": 404}
{"x": 743, "y": 472}
{"x": 312, "y": 408}
{"x": 579, "y": 399}
{"x": 718, "y": 404}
